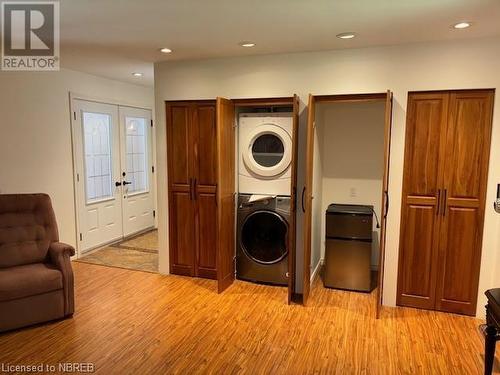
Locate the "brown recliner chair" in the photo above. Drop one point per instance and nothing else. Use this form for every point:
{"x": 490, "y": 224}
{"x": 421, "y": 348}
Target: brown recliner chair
{"x": 36, "y": 279}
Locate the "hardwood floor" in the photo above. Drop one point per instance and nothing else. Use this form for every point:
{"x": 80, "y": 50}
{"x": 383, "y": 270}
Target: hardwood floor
{"x": 135, "y": 322}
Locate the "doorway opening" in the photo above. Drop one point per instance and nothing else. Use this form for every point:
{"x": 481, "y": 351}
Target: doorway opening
{"x": 346, "y": 193}
{"x": 113, "y": 154}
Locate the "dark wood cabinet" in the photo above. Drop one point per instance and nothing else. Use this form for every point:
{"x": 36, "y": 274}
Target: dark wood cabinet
{"x": 193, "y": 157}
{"x": 444, "y": 191}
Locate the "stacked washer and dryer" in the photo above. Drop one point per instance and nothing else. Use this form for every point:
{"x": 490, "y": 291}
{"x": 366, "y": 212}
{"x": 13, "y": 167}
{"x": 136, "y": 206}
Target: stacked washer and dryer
{"x": 264, "y": 177}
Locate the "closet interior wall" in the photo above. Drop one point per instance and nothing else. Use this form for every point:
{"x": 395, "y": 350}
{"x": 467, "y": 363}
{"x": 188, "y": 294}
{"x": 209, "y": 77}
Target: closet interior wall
{"x": 348, "y": 164}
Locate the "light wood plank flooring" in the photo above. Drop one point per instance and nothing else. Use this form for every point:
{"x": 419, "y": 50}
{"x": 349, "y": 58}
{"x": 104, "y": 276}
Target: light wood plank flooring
{"x": 129, "y": 322}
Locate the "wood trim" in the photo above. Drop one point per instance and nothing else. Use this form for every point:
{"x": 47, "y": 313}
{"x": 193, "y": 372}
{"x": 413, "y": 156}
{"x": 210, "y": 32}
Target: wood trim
{"x": 351, "y": 97}
{"x": 189, "y": 102}
{"x": 308, "y": 198}
{"x": 292, "y": 243}
{"x": 385, "y": 201}
{"x": 265, "y": 102}
{"x": 226, "y": 229}
{"x": 458, "y": 91}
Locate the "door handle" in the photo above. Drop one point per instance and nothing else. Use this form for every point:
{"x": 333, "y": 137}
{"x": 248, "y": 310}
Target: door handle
{"x": 118, "y": 183}
{"x": 303, "y": 194}
{"x": 386, "y": 204}
{"x": 194, "y": 189}
{"x": 445, "y": 197}
{"x": 190, "y": 188}
{"x": 126, "y": 183}
{"x": 438, "y": 204}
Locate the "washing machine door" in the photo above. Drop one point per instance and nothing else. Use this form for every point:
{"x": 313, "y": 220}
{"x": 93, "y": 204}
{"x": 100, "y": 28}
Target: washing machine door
{"x": 269, "y": 151}
{"x": 264, "y": 237}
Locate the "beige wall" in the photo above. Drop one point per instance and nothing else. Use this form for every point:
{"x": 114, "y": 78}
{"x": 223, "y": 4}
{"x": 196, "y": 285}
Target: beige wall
{"x": 35, "y": 140}
{"x": 351, "y": 144}
{"x": 459, "y": 65}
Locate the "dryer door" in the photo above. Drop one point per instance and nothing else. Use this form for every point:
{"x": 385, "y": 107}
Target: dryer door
{"x": 268, "y": 152}
{"x": 264, "y": 237}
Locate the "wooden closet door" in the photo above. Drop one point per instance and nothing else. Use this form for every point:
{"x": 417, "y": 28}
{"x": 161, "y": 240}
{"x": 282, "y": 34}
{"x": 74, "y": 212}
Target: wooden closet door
{"x": 465, "y": 179}
{"x": 226, "y": 180}
{"x": 307, "y": 198}
{"x": 385, "y": 201}
{"x": 180, "y": 141}
{"x": 423, "y": 166}
{"x": 205, "y": 185}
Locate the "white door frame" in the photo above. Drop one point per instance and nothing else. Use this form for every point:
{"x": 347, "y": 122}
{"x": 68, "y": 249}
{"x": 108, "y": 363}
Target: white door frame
{"x": 73, "y": 127}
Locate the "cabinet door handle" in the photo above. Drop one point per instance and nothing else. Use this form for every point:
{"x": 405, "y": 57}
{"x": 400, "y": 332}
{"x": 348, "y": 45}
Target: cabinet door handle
{"x": 438, "y": 201}
{"x": 386, "y": 204}
{"x": 303, "y": 194}
{"x": 194, "y": 189}
{"x": 445, "y": 197}
{"x": 190, "y": 188}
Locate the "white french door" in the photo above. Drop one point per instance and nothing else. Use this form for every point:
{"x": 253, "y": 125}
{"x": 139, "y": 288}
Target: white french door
{"x": 113, "y": 172}
{"x": 137, "y": 164}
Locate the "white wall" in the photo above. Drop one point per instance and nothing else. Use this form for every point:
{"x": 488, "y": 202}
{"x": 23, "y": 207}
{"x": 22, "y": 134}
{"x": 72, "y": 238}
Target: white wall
{"x": 352, "y": 148}
{"x": 450, "y": 65}
{"x": 35, "y": 140}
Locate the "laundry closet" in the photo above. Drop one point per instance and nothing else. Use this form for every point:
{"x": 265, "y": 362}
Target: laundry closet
{"x": 232, "y": 189}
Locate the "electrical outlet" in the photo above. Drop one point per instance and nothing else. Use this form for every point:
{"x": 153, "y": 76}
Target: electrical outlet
{"x": 353, "y": 192}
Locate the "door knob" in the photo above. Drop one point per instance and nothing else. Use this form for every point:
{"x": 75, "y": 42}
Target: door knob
{"x": 118, "y": 183}
{"x": 126, "y": 183}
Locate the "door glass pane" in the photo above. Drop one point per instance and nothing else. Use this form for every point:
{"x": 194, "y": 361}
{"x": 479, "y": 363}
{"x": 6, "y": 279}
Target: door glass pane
{"x": 97, "y": 149}
{"x": 136, "y": 151}
{"x": 268, "y": 150}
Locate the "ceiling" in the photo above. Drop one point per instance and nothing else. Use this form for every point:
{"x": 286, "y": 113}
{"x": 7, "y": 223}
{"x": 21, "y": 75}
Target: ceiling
{"x": 113, "y": 38}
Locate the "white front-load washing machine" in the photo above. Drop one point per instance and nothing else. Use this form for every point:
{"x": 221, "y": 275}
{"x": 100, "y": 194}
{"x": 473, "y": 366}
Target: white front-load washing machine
{"x": 265, "y": 153}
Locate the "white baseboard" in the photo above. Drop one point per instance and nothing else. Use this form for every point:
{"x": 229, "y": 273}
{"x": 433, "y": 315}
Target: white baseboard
{"x": 316, "y": 270}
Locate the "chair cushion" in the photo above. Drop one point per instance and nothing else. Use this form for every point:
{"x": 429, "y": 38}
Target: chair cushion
{"x": 28, "y": 280}
{"x": 27, "y": 228}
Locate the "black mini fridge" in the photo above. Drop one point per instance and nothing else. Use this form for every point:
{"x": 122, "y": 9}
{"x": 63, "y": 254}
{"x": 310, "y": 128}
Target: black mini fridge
{"x": 348, "y": 248}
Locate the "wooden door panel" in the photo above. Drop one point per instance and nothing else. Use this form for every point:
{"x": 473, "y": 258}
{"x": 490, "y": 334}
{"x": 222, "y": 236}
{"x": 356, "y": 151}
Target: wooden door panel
{"x": 385, "y": 200}
{"x": 226, "y": 222}
{"x": 206, "y": 264}
{"x": 427, "y": 115}
{"x": 178, "y": 119}
{"x": 182, "y": 234}
{"x": 460, "y": 256}
{"x": 206, "y": 145}
{"x": 468, "y": 136}
{"x": 416, "y": 280}
{"x": 419, "y": 237}
{"x": 307, "y": 194}
{"x": 465, "y": 179}
{"x": 292, "y": 243}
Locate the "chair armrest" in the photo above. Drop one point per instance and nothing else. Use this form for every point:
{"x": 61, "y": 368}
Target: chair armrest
{"x": 59, "y": 249}
{"x": 59, "y": 254}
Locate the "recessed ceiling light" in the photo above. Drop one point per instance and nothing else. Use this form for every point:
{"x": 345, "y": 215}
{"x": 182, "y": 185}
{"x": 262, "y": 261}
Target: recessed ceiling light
{"x": 461, "y": 25}
{"x": 348, "y": 35}
{"x": 137, "y": 74}
{"x": 165, "y": 50}
{"x": 247, "y": 44}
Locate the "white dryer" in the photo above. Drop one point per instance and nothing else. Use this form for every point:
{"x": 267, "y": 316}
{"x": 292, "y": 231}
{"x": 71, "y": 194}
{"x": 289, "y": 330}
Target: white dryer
{"x": 265, "y": 153}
